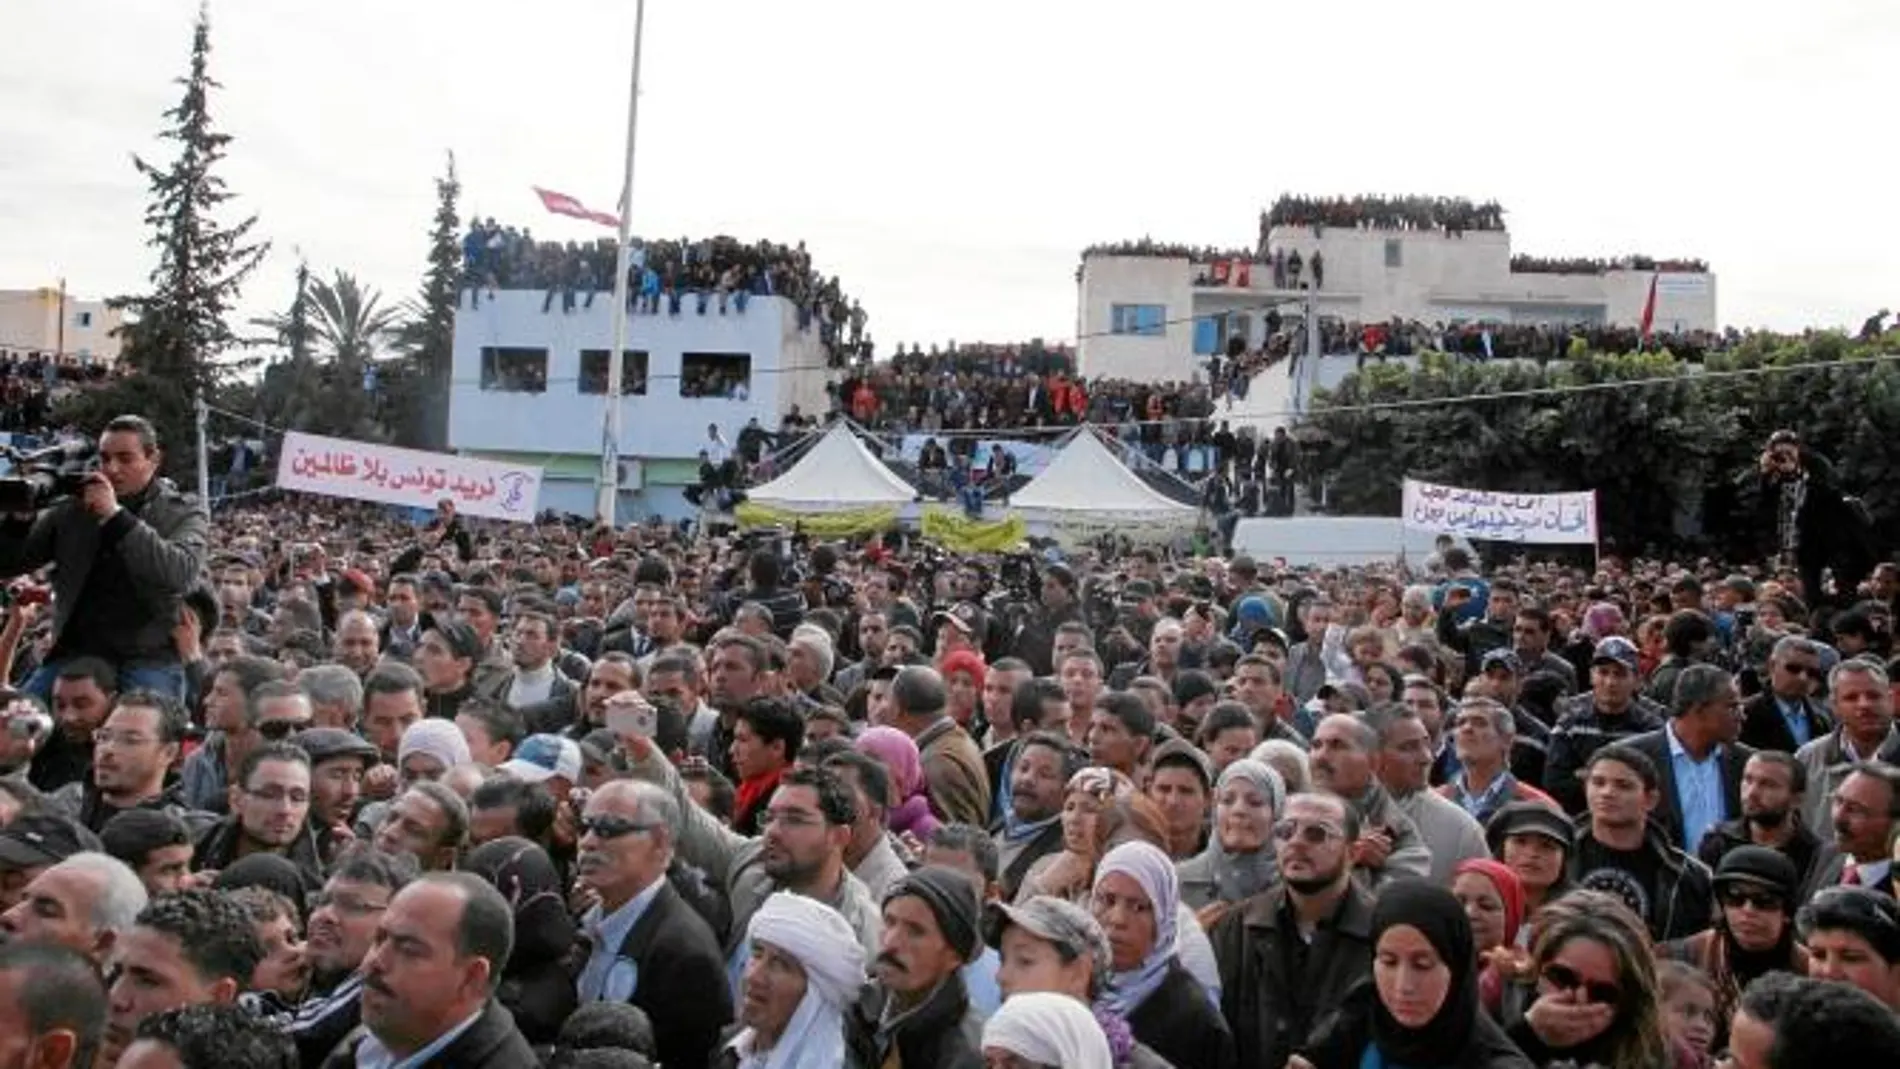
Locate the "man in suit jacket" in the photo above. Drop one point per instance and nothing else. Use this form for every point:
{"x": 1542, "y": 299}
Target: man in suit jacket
{"x": 1697, "y": 755}
{"x": 467, "y": 928}
{"x": 1786, "y": 716}
{"x": 649, "y": 947}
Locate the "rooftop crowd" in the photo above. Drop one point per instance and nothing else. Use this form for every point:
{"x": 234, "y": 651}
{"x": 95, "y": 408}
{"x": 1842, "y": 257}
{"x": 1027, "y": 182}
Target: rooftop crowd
{"x": 689, "y": 276}
{"x": 307, "y": 786}
{"x": 1451, "y": 215}
{"x": 1582, "y": 265}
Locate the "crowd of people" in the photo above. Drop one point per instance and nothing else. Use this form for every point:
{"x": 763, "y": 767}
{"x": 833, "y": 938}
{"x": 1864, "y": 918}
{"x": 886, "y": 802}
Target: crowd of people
{"x": 1585, "y": 265}
{"x": 704, "y": 276}
{"x": 1449, "y": 215}
{"x": 309, "y": 786}
{"x": 31, "y": 380}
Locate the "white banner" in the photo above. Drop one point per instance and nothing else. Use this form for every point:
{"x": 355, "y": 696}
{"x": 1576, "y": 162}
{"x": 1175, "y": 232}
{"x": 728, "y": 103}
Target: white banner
{"x": 368, "y": 472}
{"x": 1501, "y": 516}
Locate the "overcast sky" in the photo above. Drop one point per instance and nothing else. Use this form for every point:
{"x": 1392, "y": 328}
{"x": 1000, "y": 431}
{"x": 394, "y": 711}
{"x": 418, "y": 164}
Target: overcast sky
{"x": 951, "y": 160}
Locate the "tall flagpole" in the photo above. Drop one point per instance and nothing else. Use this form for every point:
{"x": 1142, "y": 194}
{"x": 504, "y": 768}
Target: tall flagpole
{"x": 606, "y": 508}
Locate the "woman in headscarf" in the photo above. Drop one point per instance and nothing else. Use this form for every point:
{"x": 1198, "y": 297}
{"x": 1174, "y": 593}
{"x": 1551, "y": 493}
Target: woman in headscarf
{"x": 536, "y": 986}
{"x": 1136, "y": 900}
{"x": 803, "y": 976}
{"x": 1048, "y": 945}
{"x": 1038, "y": 1030}
{"x": 1096, "y": 802}
{"x": 910, "y": 791}
{"x": 1493, "y": 901}
{"x": 1238, "y": 862}
{"x": 1419, "y": 1009}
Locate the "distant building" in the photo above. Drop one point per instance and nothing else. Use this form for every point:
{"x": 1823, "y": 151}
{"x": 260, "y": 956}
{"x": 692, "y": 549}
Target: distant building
{"x": 530, "y": 387}
{"x": 1153, "y": 318}
{"x": 30, "y": 323}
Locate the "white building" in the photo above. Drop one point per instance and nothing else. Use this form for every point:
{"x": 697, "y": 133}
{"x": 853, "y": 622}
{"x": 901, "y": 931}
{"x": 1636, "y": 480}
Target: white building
{"x": 1155, "y": 319}
{"x": 530, "y": 387}
{"x": 31, "y": 322}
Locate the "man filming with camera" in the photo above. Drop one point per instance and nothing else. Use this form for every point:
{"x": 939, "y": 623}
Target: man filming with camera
{"x": 125, "y": 548}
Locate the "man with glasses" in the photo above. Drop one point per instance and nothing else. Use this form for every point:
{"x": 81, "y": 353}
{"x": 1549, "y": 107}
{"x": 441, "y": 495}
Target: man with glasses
{"x": 1865, "y": 811}
{"x": 270, "y": 814}
{"x": 343, "y": 919}
{"x": 1786, "y": 716}
{"x": 1289, "y": 954}
{"x": 1853, "y": 937}
{"x": 648, "y": 946}
{"x": 132, "y": 751}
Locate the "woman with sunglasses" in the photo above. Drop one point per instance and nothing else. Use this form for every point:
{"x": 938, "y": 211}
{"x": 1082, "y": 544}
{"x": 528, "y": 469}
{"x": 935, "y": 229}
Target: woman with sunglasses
{"x": 1419, "y": 1010}
{"x": 1136, "y": 900}
{"x": 1597, "y": 1000}
{"x": 1753, "y": 933}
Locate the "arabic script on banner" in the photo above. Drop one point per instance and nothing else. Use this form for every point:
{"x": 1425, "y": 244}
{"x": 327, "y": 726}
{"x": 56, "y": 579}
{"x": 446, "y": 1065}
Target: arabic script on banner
{"x": 1499, "y": 515}
{"x": 367, "y": 472}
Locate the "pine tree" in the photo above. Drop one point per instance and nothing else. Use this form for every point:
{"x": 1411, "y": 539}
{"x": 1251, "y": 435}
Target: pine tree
{"x": 429, "y": 335}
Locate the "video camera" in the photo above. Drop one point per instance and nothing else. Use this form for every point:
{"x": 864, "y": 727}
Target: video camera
{"x": 43, "y": 476}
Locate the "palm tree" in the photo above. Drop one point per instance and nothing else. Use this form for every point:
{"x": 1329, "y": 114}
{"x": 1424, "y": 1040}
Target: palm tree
{"x": 338, "y": 327}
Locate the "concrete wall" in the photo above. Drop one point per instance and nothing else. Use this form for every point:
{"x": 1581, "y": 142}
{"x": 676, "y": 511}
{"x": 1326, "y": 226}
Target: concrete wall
{"x": 1111, "y": 280}
{"x": 788, "y": 367}
{"x": 29, "y": 320}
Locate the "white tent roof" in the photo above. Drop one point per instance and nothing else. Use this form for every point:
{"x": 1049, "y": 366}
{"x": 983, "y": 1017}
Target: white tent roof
{"x": 836, "y": 474}
{"x": 1084, "y": 478}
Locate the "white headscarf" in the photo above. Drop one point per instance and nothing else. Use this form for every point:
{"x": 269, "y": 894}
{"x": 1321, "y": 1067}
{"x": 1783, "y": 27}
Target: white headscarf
{"x": 1152, "y": 869}
{"x": 824, "y": 944}
{"x": 1048, "y": 1029}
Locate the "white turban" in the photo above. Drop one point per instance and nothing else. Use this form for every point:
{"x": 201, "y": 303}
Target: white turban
{"x": 437, "y": 738}
{"x": 826, "y": 947}
{"x": 1048, "y": 1029}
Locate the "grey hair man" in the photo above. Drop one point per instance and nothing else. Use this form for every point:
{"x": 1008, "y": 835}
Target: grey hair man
{"x": 84, "y": 903}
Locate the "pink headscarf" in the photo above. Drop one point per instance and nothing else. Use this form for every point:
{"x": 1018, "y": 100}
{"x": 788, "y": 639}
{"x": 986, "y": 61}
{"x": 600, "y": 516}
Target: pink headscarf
{"x": 910, "y": 804}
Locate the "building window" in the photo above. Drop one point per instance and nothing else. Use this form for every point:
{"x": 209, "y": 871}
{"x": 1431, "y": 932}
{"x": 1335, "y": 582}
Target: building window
{"x": 85, "y": 319}
{"x": 633, "y": 371}
{"x": 727, "y": 375}
{"x": 1394, "y": 256}
{"x": 510, "y": 370}
{"x": 1148, "y": 319}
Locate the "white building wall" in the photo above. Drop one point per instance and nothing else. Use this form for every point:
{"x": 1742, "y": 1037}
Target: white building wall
{"x": 788, "y": 367}
{"x": 1146, "y": 280}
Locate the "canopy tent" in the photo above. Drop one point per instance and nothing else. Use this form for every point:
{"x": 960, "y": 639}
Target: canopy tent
{"x": 836, "y": 475}
{"x": 1086, "y": 491}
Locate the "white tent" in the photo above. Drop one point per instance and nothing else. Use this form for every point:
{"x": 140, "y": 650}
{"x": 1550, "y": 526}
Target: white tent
{"x": 1086, "y": 490}
{"x": 835, "y": 475}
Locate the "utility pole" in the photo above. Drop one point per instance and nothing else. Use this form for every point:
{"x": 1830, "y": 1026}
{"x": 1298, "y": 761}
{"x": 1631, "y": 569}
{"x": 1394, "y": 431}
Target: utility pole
{"x": 59, "y": 331}
{"x": 203, "y": 413}
{"x": 607, "y": 507}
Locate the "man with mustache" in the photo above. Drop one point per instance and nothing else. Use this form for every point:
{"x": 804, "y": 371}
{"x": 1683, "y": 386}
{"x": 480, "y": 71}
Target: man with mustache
{"x": 918, "y": 1009}
{"x": 1389, "y": 846}
{"x": 1866, "y": 807}
{"x": 1772, "y": 785}
{"x": 342, "y": 926}
{"x": 649, "y": 947}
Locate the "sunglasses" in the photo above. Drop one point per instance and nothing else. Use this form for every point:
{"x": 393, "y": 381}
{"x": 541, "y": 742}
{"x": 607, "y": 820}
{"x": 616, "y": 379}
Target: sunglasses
{"x": 1311, "y": 834}
{"x": 1812, "y": 671}
{"x": 613, "y": 827}
{"x": 279, "y": 730}
{"x": 1766, "y": 901}
{"x": 1564, "y": 978}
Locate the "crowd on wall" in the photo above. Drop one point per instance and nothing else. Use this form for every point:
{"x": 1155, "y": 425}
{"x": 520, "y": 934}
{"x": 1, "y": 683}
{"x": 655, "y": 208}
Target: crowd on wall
{"x": 1584, "y": 265}
{"x": 704, "y": 276}
{"x": 335, "y": 789}
{"x": 1448, "y": 215}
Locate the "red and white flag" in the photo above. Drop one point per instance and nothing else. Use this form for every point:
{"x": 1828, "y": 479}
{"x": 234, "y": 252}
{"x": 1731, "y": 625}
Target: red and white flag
{"x": 1649, "y": 308}
{"x": 562, "y": 204}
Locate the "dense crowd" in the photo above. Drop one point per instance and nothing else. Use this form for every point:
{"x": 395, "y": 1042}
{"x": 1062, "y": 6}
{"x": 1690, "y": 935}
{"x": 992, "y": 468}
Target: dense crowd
{"x": 310, "y": 786}
{"x": 1450, "y": 215}
{"x": 1583, "y": 265}
{"x": 30, "y": 381}
{"x": 688, "y": 276}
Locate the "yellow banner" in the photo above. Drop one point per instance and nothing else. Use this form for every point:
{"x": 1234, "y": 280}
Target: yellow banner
{"x": 820, "y": 524}
{"x": 956, "y": 531}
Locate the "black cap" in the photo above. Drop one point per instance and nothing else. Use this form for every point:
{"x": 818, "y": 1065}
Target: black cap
{"x": 1758, "y": 865}
{"x": 1529, "y": 818}
{"x": 39, "y": 839}
{"x": 324, "y": 744}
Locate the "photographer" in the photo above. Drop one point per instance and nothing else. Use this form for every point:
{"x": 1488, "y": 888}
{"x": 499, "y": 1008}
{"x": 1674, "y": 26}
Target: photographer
{"x": 125, "y": 551}
{"x": 1817, "y": 526}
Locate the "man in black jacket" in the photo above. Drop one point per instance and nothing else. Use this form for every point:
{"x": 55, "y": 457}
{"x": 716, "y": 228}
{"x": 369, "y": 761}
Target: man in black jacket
{"x": 125, "y": 552}
{"x": 918, "y": 1010}
{"x": 1697, "y": 756}
{"x": 431, "y": 1002}
{"x": 1786, "y": 716}
{"x": 1621, "y": 852}
{"x": 648, "y": 946}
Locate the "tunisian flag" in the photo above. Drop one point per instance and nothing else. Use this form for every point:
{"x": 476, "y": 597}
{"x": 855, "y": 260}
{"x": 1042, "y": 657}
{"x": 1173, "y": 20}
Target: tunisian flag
{"x": 1649, "y": 308}
{"x": 562, "y": 204}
